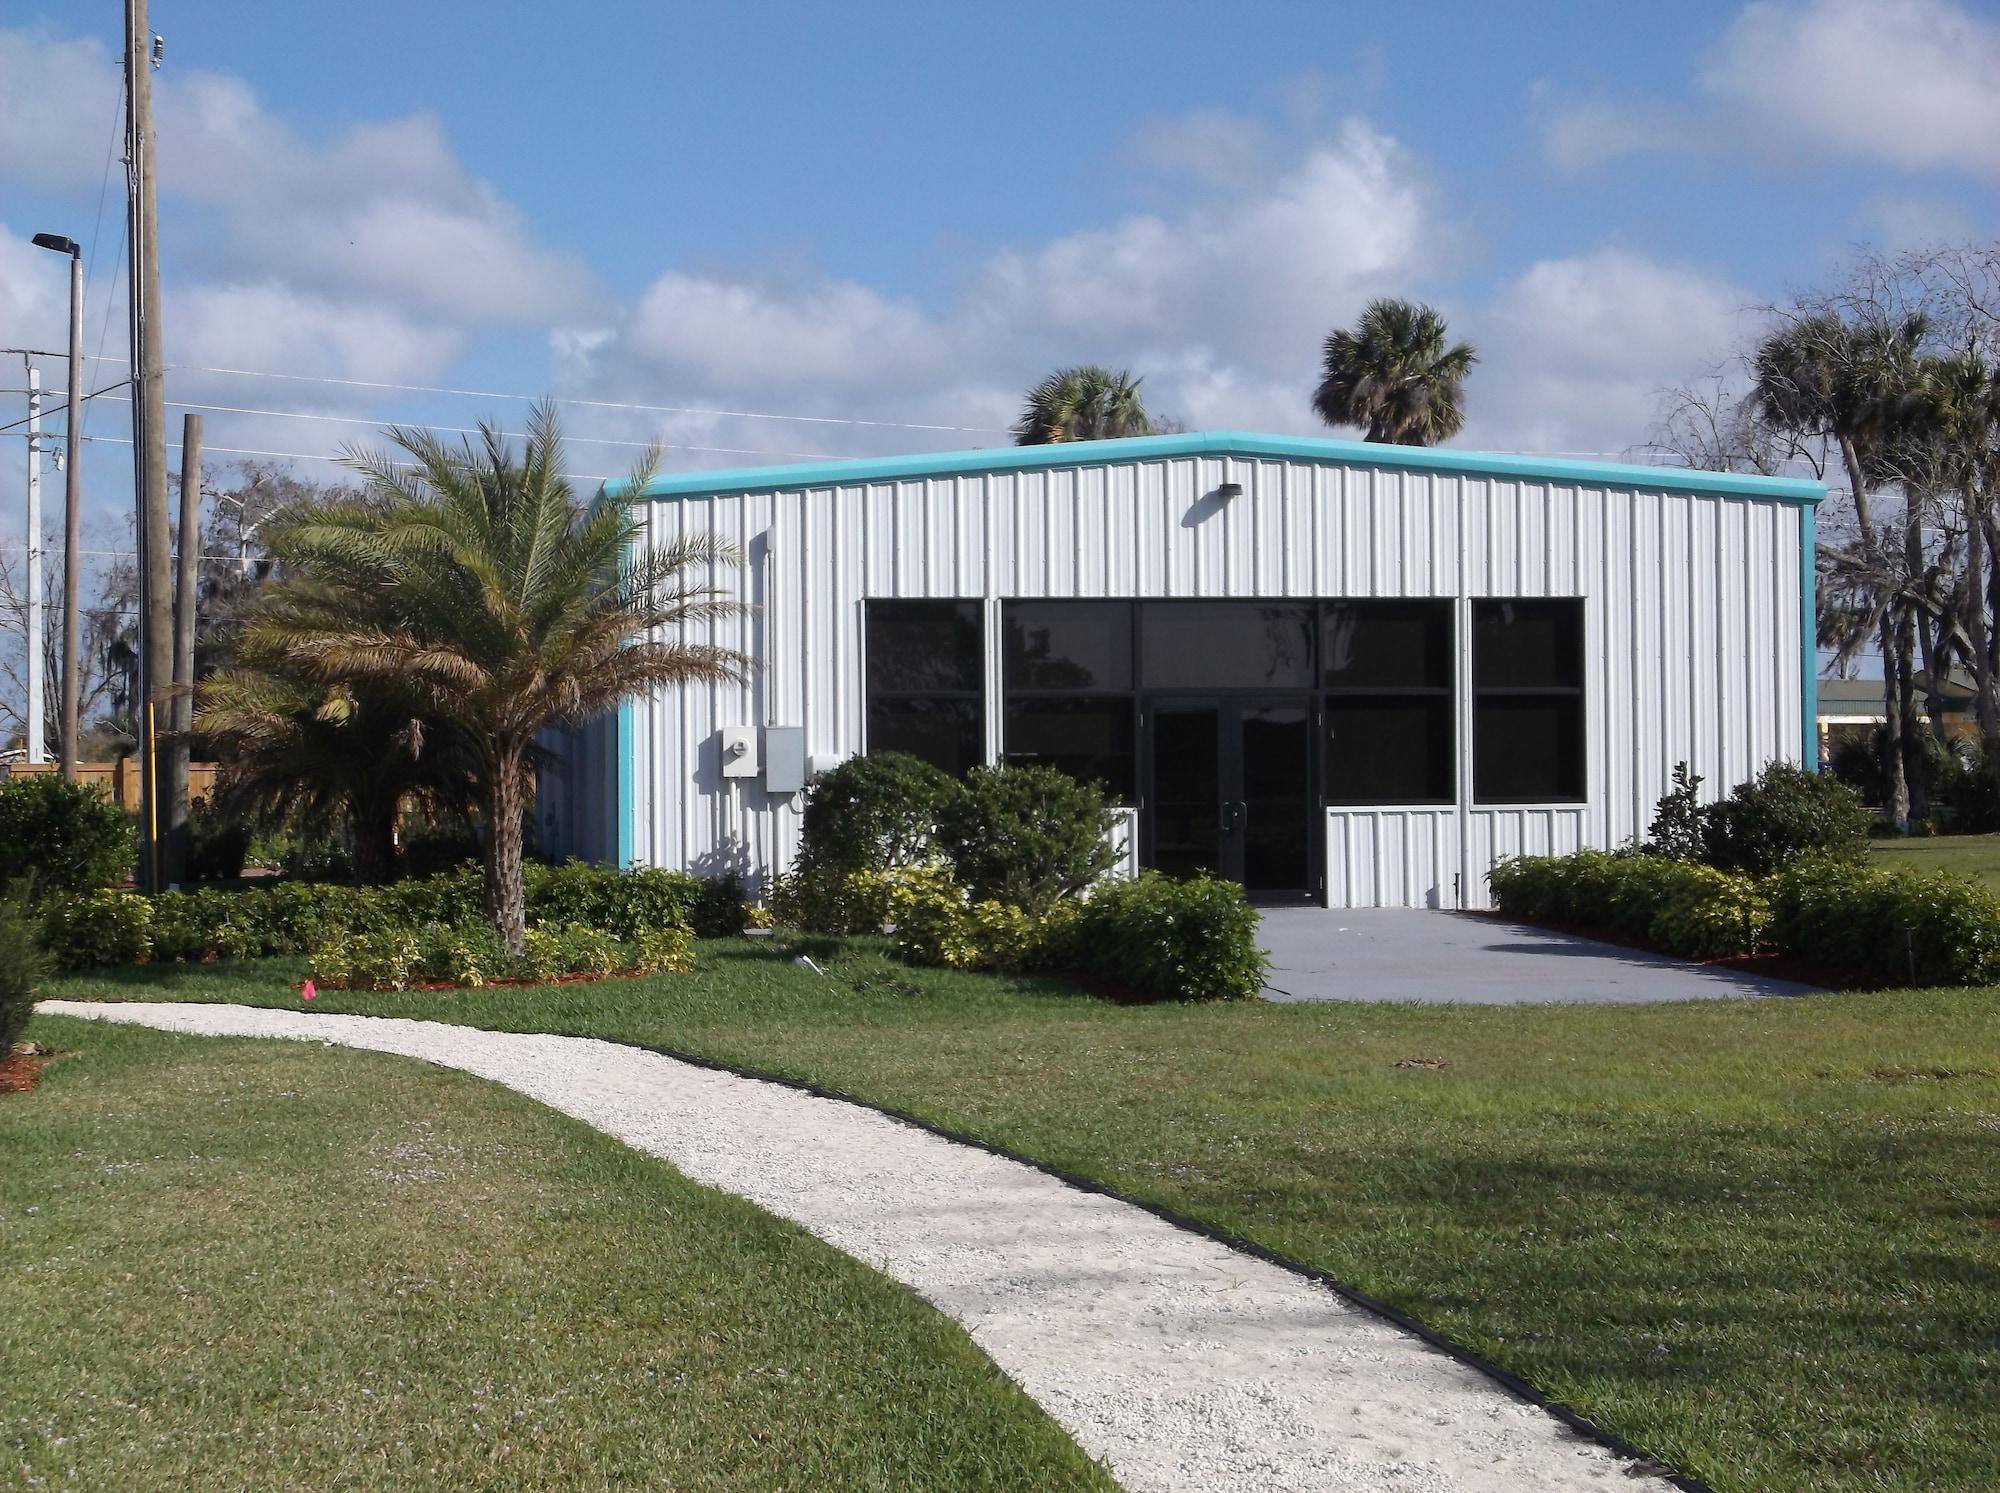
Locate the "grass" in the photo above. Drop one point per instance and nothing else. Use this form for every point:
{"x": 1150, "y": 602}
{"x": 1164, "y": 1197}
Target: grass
{"x": 1760, "y": 1239}
{"x": 1961, "y": 855}
{"x": 255, "y": 1265}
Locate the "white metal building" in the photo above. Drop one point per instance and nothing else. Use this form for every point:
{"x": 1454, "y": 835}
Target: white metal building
{"x": 1346, "y": 673}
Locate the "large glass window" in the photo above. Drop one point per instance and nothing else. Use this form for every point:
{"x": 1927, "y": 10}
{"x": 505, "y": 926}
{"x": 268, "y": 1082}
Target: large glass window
{"x": 1527, "y": 723}
{"x": 1225, "y": 645}
{"x": 1387, "y": 670}
{"x": 924, "y": 665}
{"x": 1068, "y": 677}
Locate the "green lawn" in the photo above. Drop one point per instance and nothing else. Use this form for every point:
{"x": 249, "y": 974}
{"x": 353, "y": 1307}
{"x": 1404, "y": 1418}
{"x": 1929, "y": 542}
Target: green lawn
{"x": 251, "y": 1265}
{"x": 1961, "y": 855}
{"x": 1758, "y": 1239}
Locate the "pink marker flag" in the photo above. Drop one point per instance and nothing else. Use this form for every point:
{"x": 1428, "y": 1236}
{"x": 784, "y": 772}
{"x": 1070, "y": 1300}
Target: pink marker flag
{"x": 306, "y": 991}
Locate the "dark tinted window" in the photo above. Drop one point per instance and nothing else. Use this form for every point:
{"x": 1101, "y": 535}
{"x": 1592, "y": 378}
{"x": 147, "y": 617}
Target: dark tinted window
{"x": 1387, "y": 667}
{"x": 1069, "y": 645}
{"x": 1088, "y": 738}
{"x": 1389, "y": 749}
{"x": 1386, "y": 644}
{"x": 1528, "y": 718}
{"x": 943, "y": 732}
{"x": 1225, "y": 645}
{"x": 923, "y": 645}
{"x": 924, "y": 668}
{"x": 1527, "y": 645}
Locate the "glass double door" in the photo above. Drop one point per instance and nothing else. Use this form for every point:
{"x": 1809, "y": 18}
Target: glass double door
{"x": 1230, "y": 790}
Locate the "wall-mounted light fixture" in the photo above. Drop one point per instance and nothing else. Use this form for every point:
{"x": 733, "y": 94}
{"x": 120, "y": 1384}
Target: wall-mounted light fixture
{"x": 1229, "y": 490}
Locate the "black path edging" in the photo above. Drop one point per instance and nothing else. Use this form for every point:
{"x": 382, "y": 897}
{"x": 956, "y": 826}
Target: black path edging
{"x": 1643, "y": 1463}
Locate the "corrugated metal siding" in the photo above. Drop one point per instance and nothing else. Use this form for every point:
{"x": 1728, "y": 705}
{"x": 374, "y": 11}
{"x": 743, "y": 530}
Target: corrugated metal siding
{"x": 1692, "y": 626}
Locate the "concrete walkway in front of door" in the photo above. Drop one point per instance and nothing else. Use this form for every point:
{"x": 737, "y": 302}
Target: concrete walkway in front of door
{"x": 1405, "y": 954}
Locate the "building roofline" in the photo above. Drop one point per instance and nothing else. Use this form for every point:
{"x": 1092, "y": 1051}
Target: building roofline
{"x": 1223, "y": 443}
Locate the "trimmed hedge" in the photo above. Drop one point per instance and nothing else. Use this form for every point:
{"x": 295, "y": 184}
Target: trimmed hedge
{"x": 473, "y": 955}
{"x": 107, "y": 927}
{"x": 1900, "y": 926}
{"x": 1897, "y": 926}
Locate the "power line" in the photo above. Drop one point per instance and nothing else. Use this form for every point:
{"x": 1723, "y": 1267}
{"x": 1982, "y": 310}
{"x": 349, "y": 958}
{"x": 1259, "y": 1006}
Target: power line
{"x": 85, "y": 400}
{"x": 603, "y": 404}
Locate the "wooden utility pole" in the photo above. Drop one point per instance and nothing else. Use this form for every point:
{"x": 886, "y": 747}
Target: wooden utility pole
{"x": 179, "y": 839}
{"x": 149, "y": 435}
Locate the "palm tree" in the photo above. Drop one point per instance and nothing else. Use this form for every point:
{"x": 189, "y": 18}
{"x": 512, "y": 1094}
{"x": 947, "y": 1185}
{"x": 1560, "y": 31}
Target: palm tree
{"x": 1395, "y": 377}
{"x": 1087, "y": 403}
{"x": 1857, "y": 384}
{"x": 342, "y": 754}
{"x": 473, "y": 584}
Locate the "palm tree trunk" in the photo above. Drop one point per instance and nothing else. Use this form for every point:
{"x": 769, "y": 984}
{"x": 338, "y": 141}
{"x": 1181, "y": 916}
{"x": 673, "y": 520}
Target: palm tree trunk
{"x": 371, "y": 826}
{"x": 1916, "y": 785}
{"x": 1895, "y": 754}
{"x": 506, "y": 907}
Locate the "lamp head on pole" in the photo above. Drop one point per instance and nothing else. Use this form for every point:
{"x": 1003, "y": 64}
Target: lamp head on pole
{"x": 60, "y": 244}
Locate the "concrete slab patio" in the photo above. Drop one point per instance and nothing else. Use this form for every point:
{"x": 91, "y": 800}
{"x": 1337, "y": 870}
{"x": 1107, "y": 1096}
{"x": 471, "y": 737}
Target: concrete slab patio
{"x": 1397, "y": 954}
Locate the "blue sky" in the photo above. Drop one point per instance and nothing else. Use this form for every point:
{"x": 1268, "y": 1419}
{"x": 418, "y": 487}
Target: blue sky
{"x": 903, "y": 213}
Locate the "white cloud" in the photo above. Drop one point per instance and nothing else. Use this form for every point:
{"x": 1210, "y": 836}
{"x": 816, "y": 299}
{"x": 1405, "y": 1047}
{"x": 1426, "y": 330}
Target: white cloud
{"x": 1907, "y": 83}
{"x": 1574, "y": 352}
{"x": 1222, "y": 305}
{"x": 1912, "y": 83}
{"x": 383, "y": 210}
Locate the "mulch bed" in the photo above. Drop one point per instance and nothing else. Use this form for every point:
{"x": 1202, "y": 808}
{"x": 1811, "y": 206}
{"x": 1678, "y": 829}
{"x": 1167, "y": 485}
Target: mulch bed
{"x": 20, "y": 1068}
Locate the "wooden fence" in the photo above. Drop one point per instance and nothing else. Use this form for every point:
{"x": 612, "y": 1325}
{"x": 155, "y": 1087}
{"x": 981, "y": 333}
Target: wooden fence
{"x": 119, "y": 781}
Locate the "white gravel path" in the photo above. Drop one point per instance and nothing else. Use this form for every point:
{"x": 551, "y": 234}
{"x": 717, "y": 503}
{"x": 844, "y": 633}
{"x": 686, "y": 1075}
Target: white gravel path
{"x": 1184, "y": 1365}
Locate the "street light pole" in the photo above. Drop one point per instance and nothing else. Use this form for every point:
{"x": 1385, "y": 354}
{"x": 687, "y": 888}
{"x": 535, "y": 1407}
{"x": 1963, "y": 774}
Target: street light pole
{"x": 66, "y": 743}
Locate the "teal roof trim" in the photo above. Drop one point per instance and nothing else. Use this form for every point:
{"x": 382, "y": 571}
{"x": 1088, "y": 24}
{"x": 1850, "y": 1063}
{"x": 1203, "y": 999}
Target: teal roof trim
{"x": 1218, "y": 444}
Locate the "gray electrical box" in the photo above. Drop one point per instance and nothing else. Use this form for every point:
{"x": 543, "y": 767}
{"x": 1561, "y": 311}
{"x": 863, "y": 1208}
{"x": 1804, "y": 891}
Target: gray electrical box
{"x": 784, "y": 759}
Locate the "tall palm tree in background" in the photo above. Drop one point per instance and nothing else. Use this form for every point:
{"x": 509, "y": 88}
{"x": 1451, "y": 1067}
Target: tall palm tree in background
{"x": 1087, "y": 403}
{"x": 1395, "y": 376}
{"x": 471, "y": 582}
{"x": 1858, "y": 384}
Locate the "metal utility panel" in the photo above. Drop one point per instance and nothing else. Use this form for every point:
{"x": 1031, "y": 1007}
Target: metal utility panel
{"x": 784, "y": 759}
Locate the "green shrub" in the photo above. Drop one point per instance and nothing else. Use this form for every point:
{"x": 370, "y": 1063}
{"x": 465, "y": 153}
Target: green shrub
{"x": 24, "y": 964}
{"x": 1680, "y": 820}
{"x": 871, "y": 813}
{"x": 1026, "y": 837}
{"x": 61, "y": 837}
{"x": 541, "y": 957}
{"x": 1711, "y": 914}
{"x": 622, "y": 903}
{"x": 1782, "y": 814}
{"x": 471, "y": 955}
{"x": 1593, "y": 889}
{"x": 98, "y": 928}
{"x": 664, "y": 951}
{"x": 371, "y": 961}
{"x": 1898, "y": 926}
{"x": 1172, "y": 940}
